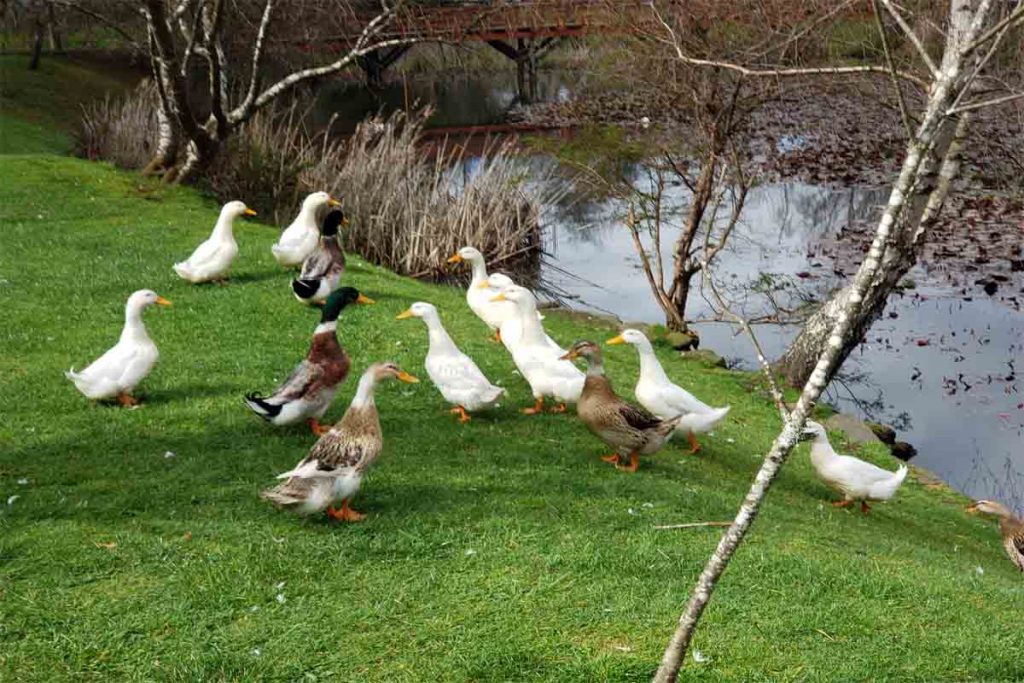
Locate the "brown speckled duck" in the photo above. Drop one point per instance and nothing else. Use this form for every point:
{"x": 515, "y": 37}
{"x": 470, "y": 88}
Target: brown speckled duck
{"x": 630, "y": 430}
{"x": 334, "y": 468}
{"x": 309, "y": 390}
{"x": 1010, "y": 528}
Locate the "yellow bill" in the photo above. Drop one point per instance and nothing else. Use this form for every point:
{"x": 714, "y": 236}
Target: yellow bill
{"x": 406, "y": 377}
{"x": 616, "y": 340}
{"x": 454, "y": 259}
{"x": 500, "y": 297}
{"x": 249, "y": 212}
{"x": 404, "y": 314}
{"x": 363, "y": 299}
{"x": 331, "y": 201}
{"x": 160, "y": 301}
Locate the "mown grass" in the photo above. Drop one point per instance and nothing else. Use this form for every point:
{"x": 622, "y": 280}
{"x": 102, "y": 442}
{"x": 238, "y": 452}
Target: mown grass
{"x": 499, "y": 550}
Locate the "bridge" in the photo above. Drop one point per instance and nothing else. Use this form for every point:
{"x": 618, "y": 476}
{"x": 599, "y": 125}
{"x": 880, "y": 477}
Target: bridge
{"x": 523, "y": 30}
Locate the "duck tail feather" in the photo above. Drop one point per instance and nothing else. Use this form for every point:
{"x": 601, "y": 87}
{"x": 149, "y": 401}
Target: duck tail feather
{"x": 305, "y": 289}
{"x": 259, "y": 405}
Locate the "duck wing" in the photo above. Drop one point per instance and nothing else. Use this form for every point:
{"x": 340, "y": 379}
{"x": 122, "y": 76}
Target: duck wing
{"x": 316, "y": 265}
{"x": 204, "y": 253}
{"x": 637, "y": 417}
{"x": 307, "y": 378}
{"x": 682, "y": 400}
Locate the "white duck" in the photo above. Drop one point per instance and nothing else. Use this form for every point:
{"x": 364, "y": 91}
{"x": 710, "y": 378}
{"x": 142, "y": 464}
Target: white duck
{"x": 303, "y": 235}
{"x": 510, "y": 329}
{"x": 539, "y": 357}
{"x": 855, "y": 479}
{"x": 658, "y": 394}
{"x": 478, "y": 296}
{"x": 212, "y": 259}
{"x": 117, "y": 372}
{"x": 454, "y": 373}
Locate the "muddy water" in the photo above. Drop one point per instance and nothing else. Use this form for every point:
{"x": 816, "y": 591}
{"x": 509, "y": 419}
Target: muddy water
{"x": 937, "y": 366}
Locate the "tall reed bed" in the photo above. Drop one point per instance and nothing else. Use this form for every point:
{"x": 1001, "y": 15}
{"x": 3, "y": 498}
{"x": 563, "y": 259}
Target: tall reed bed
{"x": 410, "y": 204}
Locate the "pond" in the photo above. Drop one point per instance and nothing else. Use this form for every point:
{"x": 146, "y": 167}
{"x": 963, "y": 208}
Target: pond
{"x": 938, "y": 366}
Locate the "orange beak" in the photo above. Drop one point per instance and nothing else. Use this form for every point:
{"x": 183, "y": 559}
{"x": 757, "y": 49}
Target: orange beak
{"x": 160, "y": 301}
{"x": 454, "y": 259}
{"x": 248, "y": 212}
{"x": 404, "y": 314}
{"x": 361, "y": 299}
{"x": 500, "y": 297}
{"x": 331, "y": 201}
{"x": 616, "y": 340}
{"x": 406, "y": 377}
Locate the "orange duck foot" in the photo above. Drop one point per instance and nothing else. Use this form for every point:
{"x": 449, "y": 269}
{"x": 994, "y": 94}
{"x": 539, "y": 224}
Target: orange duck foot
{"x": 127, "y": 400}
{"x": 694, "y": 444}
{"x": 538, "y": 407}
{"x": 461, "y": 412}
{"x": 842, "y": 503}
{"x": 560, "y": 408}
{"x": 613, "y": 458}
{"x": 864, "y": 507}
{"x": 316, "y": 427}
{"x": 345, "y": 514}
{"x": 634, "y": 463}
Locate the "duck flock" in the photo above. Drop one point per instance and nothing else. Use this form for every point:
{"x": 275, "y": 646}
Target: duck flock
{"x": 328, "y": 478}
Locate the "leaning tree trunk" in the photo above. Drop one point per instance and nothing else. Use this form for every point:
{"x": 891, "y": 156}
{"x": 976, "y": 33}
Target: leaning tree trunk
{"x": 941, "y": 165}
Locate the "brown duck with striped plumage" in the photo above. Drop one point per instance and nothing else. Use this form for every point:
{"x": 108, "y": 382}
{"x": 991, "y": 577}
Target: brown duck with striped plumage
{"x": 630, "y": 430}
{"x": 1010, "y": 528}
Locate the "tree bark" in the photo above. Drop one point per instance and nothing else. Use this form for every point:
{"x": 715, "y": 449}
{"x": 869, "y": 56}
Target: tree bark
{"x": 851, "y": 308}
{"x": 940, "y": 165}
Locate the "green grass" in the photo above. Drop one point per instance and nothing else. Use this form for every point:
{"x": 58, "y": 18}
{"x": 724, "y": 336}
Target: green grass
{"x": 499, "y": 550}
{"x": 39, "y": 109}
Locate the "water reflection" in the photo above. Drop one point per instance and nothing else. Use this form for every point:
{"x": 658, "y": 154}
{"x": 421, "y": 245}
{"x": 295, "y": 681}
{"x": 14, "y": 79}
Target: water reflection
{"x": 938, "y": 366}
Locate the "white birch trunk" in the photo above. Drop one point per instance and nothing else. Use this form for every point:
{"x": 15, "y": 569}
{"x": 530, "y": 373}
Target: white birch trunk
{"x": 964, "y": 26}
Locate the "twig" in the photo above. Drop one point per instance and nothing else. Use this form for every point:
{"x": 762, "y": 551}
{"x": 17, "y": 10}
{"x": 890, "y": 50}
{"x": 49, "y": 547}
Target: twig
{"x": 987, "y": 103}
{"x": 904, "y": 114}
{"x": 914, "y": 39}
{"x": 692, "y": 525}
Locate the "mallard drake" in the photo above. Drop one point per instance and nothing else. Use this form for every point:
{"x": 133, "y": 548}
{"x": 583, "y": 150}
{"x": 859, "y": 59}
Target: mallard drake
{"x": 630, "y": 430}
{"x": 658, "y": 394}
{"x": 478, "y": 296}
{"x": 855, "y": 479}
{"x": 1010, "y": 528}
{"x": 539, "y": 358}
{"x": 334, "y": 468}
{"x": 212, "y": 259}
{"x": 322, "y": 270}
{"x": 117, "y": 372}
{"x": 309, "y": 390}
{"x": 301, "y": 237}
{"x": 454, "y": 373}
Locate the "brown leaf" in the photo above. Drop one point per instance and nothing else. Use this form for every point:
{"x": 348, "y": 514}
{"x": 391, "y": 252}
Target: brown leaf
{"x": 110, "y": 545}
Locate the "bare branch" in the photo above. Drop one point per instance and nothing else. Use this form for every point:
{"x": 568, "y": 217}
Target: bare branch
{"x": 987, "y": 103}
{"x": 257, "y": 57}
{"x": 780, "y": 73}
{"x": 1012, "y": 19}
{"x": 914, "y": 39}
{"x": 106, "y": 21}
{"x": 904, "y": 114}
{"x": 692, "y": 525}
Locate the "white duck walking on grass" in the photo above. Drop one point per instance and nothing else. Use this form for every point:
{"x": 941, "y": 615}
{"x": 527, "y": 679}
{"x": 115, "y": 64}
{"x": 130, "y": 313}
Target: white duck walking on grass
{"x": 539, "y": 357}
{"x": 303, "y": 235}
{"x": 855, "y": 479}
{"x": 454, "y": 373}
{"x": 212, "y": 259}
{"x": 117, "y": 372}
{"x": 478, "y": 295}
{"x": 510, "y": 327}
{"x": 658, "y": 394}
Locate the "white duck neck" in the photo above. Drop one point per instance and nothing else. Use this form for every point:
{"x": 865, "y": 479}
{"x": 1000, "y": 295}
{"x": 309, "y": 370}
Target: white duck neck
{"x": 532, "y": 330}
{"x": 364, "y": 392}
{"x": 223, "y": 229}
{"x": 821, "y": 449}
{"x": 650, "y": 367}
{"x": 134, "y": 330}
{"x": 439, "y": 340}
{"x": 479, "y": 270}
{"x": 307, "y": 214}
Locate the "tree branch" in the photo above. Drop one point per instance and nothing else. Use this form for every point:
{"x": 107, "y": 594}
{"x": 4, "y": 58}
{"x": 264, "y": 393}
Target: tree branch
{"x": 257, "y": 58}
{"x": 106, "y": 21}
{"x": 904, "y": 114}
{"x": 915, "y": 41}
{"x": 987, "y": 103}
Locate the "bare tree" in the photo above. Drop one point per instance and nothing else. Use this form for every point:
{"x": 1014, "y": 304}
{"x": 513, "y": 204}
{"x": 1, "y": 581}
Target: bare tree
{"x": 930, "y": 164}
{"x": 191, "y": 44}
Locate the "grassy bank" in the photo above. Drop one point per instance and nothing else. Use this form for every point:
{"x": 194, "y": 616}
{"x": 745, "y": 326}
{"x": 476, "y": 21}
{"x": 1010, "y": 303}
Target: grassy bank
{"x": 134, "y": 545}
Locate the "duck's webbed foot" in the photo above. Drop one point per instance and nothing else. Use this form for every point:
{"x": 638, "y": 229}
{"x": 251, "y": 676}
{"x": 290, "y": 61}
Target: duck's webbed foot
{"x": 461, "y": 412}
{"x": 694, "y": 444}
{"x": 560, "y": 408}
{"x": 316, "y": 427}
{"x": 634, "y": 463}
{"x": 613, "y": 458}
{"x": 864, "y": 507}
{"x": 842, "y": 503}
{"x": 538, "y": 407}
{"x": 126, "y": 399}
{"x": 345, "y": 514}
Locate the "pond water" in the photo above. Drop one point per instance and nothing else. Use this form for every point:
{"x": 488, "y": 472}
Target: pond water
{"x": 936, "y": 366}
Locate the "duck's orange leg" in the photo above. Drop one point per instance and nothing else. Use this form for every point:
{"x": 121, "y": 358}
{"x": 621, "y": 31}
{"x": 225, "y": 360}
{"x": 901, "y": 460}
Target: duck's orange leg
{"x": 842, "y": 503}
{"x": 316, "y": 427}
{"x": 461, "y": 412}
{"x": 613, "y": 458}
{"x": 497, "y": 336}
{"x": 694, "y": 444}
{"x": 634, "y": 463}
{"x": 127, "y": 399}
{"x": 560, "y": 408}
{"x": 538, "y": 407}
{"x": 864, "y": 507}
{"x": 345, "y": 514}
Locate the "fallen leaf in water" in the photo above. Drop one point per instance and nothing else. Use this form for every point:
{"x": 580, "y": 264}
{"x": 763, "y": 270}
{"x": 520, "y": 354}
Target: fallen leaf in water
{"x": 922, "y": 342}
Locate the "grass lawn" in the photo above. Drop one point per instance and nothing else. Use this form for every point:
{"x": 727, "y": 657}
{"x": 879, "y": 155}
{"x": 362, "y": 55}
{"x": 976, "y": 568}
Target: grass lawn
{"x": 500, "y": 550}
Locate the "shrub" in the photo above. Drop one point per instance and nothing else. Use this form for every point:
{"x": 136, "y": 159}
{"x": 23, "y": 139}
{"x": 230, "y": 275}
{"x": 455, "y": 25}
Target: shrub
{"x": 120, "y": 130}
